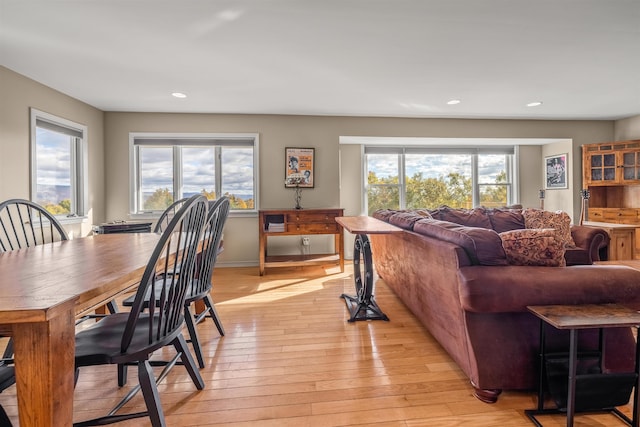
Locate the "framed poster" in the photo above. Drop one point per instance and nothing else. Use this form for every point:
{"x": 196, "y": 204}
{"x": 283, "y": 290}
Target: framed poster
{"x": 299, "y": 169}
{"x": 555, "y": 175}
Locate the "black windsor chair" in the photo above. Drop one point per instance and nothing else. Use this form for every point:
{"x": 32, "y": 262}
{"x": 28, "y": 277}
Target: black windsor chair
{"x": 124, "y": 338}
{"x": 23, "y": 224}
{"x": 7, "y": 379}
{"x": 168, "y": 214}
{"x": 200, "y": 287}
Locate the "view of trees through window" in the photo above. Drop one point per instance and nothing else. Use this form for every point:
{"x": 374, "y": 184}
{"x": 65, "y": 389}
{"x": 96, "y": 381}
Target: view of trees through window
{"x": 161, "y": 198}
{"x": 433, "y": 180}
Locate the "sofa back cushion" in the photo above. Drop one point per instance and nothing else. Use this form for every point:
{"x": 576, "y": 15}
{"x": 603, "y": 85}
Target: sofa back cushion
{"x": 405, "y": 219}
{"x": 536, "y": 247}
{"x": 506, "y": 219}
{"x": 483, "y": 246}
{"x": 470, "y": 217}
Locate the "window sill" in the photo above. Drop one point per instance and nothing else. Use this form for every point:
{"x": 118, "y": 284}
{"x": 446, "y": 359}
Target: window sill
{"x": 72, "y": 219}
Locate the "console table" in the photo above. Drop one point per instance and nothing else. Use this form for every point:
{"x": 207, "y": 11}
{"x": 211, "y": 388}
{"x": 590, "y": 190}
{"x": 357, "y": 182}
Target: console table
{"x": 363, "y": 306}
{"x": 589, "y": 316}
{"x": 300, "y": 222}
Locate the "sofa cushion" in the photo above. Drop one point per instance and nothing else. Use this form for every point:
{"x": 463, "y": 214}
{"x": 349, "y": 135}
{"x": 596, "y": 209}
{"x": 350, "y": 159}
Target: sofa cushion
{"x": 560, "y": 221}
{"x": 483, "y": 246}
{"x": 405, "y": 219}
{"x": 540, "y": 247}
{"x": 384, "y": 214}
{"x": 577, "y": 256}
{"x": 470, "y": 217}
{"x": 506, "y": 219}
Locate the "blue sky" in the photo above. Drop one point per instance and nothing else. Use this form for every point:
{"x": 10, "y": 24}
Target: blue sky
{"x": 53, "y": 158}
{"x": 437, "y": 165}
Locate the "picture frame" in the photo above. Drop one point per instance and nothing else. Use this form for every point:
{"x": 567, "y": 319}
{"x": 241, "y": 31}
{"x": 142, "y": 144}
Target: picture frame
{"x": 555, "y": 172}
{"x": 299, "y": 167}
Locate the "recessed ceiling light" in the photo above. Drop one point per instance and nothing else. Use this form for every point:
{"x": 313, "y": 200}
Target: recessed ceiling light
{"x": 454, "y": 102}
{"x": 179, "y": 95}
{"x": 534, "y": 104}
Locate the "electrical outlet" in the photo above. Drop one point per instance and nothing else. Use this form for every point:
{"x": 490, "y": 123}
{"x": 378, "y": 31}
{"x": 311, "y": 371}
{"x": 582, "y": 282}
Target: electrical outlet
{"x": 306, "y": 241}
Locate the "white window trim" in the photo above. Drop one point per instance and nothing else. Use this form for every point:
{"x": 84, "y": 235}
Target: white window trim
{"x": 133, "y": 167}
{"x": 81, "y": 190}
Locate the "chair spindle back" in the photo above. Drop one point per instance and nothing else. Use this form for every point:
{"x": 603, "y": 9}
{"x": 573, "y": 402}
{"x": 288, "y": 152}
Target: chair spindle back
{"x": 24, "y": 224}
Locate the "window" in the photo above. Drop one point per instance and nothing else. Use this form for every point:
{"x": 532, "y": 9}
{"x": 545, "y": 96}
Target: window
{"x": 168, "y": 167}
{"x": 58, "y": 164}
{"x": 418, "y": 177}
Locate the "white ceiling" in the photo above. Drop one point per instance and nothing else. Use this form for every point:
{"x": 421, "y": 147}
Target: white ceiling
{"x": 400, "y": 58}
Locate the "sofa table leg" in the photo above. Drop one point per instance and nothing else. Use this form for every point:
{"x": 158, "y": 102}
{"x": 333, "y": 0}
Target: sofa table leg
{"x": 363, "y": 306}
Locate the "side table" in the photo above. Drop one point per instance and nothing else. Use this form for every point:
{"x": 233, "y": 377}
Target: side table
{"x": 574, "y": 318}
{"x": 363, "y": 306}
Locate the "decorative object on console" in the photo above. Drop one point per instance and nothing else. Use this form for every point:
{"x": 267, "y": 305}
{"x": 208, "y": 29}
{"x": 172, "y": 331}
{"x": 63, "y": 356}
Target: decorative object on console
{"x": 541, "y": 196}
{"x": 584, "y": 195}
{"x": 295, "y": 180}
{"x": 555, "y": 172}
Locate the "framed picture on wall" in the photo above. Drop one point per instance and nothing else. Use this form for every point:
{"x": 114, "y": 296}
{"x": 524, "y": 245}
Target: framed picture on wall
{"x": 299, "y": 171}
{"x": 555, "y": 174}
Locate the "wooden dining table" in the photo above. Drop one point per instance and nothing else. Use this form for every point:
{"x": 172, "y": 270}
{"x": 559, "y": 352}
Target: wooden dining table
{"x": 43, "y": 289}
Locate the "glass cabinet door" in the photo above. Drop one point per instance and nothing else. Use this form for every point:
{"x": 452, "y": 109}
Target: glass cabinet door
{"x": 603, "y": 167}
{"x": 631, "y": 166}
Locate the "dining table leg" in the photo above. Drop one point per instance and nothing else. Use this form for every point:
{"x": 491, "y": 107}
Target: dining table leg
{"x": 44, "y": 354}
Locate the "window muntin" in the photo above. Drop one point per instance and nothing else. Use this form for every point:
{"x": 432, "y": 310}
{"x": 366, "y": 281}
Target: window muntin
{"x": 58, "y": 164}
{"x": 210, "y": 164}
{"x": 460, "y": 178}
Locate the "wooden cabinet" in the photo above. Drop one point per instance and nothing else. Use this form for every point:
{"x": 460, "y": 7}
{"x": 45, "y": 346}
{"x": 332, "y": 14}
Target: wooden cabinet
{"x": 612, "y": 163}
{"x": 623, "y": 240}
{"x": 300, "y": 222}
{"x": 611, "y": 173}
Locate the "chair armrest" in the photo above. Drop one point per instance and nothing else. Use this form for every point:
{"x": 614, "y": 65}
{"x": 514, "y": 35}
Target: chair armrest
{"x": 591, "y": 239}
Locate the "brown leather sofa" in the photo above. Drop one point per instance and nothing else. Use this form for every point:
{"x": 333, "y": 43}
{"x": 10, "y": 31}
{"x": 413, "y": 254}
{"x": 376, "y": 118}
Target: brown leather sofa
{"x": 453, "y": 279}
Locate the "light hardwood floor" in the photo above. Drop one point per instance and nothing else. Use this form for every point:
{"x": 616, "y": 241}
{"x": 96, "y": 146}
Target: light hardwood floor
{"x": 290, "y": 358}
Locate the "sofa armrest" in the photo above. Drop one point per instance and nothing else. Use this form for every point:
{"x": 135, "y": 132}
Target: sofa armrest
{"x": 487, "y": 289}
{"x": 591, "y": 239}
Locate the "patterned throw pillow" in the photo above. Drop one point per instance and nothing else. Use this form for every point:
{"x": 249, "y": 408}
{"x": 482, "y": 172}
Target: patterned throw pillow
{"x": 560, "y": 221}
{"x": 539, "y": 247}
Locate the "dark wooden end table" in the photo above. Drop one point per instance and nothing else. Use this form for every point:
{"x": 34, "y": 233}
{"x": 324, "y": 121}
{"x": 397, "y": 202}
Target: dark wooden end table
{"x": 574, "y": 318}
{"x": 363, "y": 306}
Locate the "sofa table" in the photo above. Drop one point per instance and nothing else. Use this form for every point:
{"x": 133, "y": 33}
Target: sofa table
{"x": 363, "y": 306}
{"x": 574, "y": 318}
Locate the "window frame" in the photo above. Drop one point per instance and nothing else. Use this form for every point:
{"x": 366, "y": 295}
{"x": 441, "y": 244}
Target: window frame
{"x": 402, "y": 151}
{"x": 177, "y": 140}
{"x": 79, "y": 161}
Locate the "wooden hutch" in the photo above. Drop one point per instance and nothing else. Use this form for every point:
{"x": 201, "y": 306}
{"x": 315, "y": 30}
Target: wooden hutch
{"x": 611, "y": 173}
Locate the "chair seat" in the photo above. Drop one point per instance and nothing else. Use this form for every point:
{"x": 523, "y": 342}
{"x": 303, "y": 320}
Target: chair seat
{"x": 7, "y": 376}
{"x": 101, "y": 343}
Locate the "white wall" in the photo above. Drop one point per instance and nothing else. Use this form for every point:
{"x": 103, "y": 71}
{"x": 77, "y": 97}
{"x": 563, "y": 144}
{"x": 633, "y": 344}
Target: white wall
{"x": 627, "y": 129}
{"x": 18, "y": 94}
